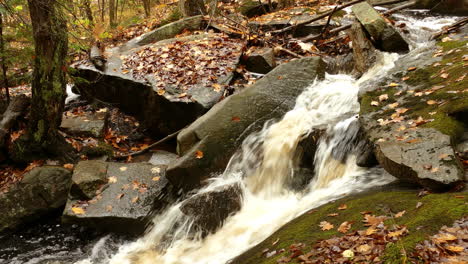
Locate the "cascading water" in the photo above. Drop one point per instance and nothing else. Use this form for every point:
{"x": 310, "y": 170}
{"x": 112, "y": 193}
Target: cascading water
{"x": 263, "y": 166}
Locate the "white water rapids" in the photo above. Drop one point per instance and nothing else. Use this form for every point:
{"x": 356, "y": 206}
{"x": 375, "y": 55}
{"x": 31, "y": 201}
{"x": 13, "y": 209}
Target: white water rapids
{"x": 262, "y": 168}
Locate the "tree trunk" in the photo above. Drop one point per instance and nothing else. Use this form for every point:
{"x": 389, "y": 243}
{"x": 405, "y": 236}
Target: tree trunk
{"x": 147, "y": 7}
{"x": 48, "y": 84}
{"x": 3, "y": 58}
{"x": 112, "y": 13}
{"x": 86, "y": 5}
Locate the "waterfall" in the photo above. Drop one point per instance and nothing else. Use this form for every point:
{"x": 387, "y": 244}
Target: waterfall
{"x": 262, "y": 167}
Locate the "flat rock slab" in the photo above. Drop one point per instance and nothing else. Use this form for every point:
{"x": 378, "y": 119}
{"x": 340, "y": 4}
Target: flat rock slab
{"x": 42, "y": 190}
{"x": 385, "y": 36}
{"x": 86, "y": 125}
{"x": 125, "y": 202}
{"x": 166, "y": 84}
{"x": 162, "y": 157}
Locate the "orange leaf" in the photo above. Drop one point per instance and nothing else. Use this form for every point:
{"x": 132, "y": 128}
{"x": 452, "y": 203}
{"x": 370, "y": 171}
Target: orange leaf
{"x": 325, "y": 225}
{"x": 199, "y": 154}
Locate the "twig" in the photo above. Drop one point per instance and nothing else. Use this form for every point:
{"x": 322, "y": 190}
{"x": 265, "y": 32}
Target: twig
{"x": 453, "y": 26}
{"x": 289, "y": 52}
{"x": 324, "y": 29}
{"x": 168, "y": 137}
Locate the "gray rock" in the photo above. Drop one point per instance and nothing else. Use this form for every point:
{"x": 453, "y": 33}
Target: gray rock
{"x": 462, "y": 147}
{"x": 364, "y": 53}
{"x": 162, "y": 157}
{"x": 88, "y": 125}
{"x": 384, "y": 35}
{"x": 161, "y": 114}
{"x": 42, "y": 190}
{"x": 218, "y": 133}
{"x": 88, "y": 177}
{"x": 210, "y": 209}
{"x": 165, "y": 32}
{"x": 124, "y": 204}
{"x": 251, "y": 8}
{"x": 453, "y": 7}
{"x": 192, "y": 7}
{"x": 260, "y": 60}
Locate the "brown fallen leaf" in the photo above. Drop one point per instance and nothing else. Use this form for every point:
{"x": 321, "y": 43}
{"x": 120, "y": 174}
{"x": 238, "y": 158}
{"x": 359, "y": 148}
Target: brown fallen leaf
{"x": 371, "y": 220}
{"x": 135, "y": 199}
{"x": 374, "y": 103}
{"x": 156, "y": 178}
{"x": 455, "y": 248}
{"x": 431, "y": 102}
{"x": 235, "y": 119}
{"x": 393, "y": 85}
{"x": 400, "y": 214}
{"x": 119, "y": 196}
{"x": 342, "y": 207}
{"x": 325, "y": 225}
{"x": 412, "y": 68}
{"x": 109, "y": 208}
{"x": 444, "y": 237}
{"x": 333, "y": 214}
{"x": 364, "y": 249}
{"x": 78, "y": 210}
{"x": 68, "y": 166}
{"x": 419, "y": 204}
{"x": 344, "y": 227}
{"x": 383, "y": 97}
{"x": 112, "y": 179}
{"x": 199, "y": 154}
{"x": 444, "y": 75}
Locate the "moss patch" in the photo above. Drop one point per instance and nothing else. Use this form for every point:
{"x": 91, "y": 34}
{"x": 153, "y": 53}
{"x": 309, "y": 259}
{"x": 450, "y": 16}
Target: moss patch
{"x": 437, "y": 92}
{"x": 436, "y": 210}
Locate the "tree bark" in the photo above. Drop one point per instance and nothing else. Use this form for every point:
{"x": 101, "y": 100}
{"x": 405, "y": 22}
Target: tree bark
{"x": 86, "y": 5}
{"x": 147, "y": 7}
{"x": 48, "y": 84}
{"x": 112, "y": 13}
{"x": 3, "y": 58}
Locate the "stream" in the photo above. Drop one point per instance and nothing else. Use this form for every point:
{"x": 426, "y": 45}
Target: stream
{"x": 262, "y": 168}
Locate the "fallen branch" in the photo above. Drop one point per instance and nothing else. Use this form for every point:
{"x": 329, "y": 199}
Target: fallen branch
{"x": 289, "y": 52}
{"x": 453, "y": 26}
{"x": 15, "y": 109}
{"x": 315, "y": 18}
{"x": 168, "y": 137}
{"x": 338, "y": 29}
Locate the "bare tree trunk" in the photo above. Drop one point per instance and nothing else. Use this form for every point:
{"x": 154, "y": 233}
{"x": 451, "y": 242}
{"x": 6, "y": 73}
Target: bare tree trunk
{"x": 3, "y": 58}
{"x": 112, "y": 13}
{"x": 147, "y": 7}
{"x": 86, "y": 5}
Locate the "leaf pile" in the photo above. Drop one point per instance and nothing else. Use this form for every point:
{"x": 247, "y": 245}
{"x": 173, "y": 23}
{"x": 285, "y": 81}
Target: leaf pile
{"x": 450, "y": 245}
{"x": 363, "y": 246}
{"x": 185, "y": 64}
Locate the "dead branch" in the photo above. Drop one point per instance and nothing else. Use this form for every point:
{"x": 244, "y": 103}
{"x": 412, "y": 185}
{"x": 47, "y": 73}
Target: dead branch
{"x": 16, "y": 108}
{"x": 345, "y": 27}
{"x": 452, "y": 27}
{"x": 168, "y": 137}
{"x": 289, "y": 52}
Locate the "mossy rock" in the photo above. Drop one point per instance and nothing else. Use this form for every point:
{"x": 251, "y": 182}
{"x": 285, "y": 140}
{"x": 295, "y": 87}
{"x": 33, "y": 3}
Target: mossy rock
{"x": 435, "y": 211}
{"x": 102, "y": 149}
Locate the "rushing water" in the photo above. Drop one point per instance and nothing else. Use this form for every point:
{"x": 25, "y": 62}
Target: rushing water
{"x": 265, "y": 163}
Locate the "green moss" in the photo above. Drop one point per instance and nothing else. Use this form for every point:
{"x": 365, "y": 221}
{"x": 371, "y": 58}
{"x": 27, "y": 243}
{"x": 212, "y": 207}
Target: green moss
{"x": 102, "y": 149}
{"x": 452, "y": 44}
{"x": 436, "y": 210}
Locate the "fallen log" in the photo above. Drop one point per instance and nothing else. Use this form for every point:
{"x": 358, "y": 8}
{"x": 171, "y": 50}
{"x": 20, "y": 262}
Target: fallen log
{"x": 329, "y": 13}
{"x": 451, "y": 27}
{"x": 338, "y": 29}
{"x": 15, "y": 109}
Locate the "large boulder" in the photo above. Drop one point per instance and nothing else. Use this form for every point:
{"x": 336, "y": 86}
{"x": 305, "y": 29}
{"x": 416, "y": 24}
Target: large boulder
{"x": 122, "y": 205}
{"x": 88, "y": 177}
{"x": 384, "y": 35}
{"x": 260, "y": 60}
{"x": 431, "y": 163}
{"x": 454, "y": 7}
{"x": 364, "y": 53}
{"x": 165, "y": 32}
{"x": 42, "y": 190}
{"x": 207, "y": 144}
{"x": 166, "y": 85}
{"x": 209, "y": 209}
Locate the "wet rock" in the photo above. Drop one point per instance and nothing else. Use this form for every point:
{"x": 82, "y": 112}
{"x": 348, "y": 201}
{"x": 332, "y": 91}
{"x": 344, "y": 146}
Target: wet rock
{"x": 165, "y": 32}
{"x": 42, "y": 190}
{"x": 260, "y": 60}
{"x": 88, "y": 177}
{"x": 124, "y": 203}
{"x": 428, "y": 159}
{"x": 192, "y": 7}
{"x": 462, "y": 147}
{"x": 384, "y": 35}
{"x": 211, "y": 208}
{"x": 340, "y": 64}
{"x": 364, "y": 53}
{"x": 218, "y": 133}
{"x": 454, "y": 7}
{"x": 87, "y": 125}
{"x": 167, "y": 111}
